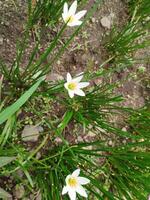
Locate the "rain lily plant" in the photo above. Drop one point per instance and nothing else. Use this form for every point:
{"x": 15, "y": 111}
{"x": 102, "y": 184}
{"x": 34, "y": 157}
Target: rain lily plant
{"x": 70, "y": 16}
{"x": 74, "y": 86}
{"x": 74, "y": 184}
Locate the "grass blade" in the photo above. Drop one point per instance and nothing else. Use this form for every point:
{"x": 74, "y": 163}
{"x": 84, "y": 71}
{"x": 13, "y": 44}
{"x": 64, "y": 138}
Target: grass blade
{"x": 9, "y": 111}
{"x": 5, "y": 160}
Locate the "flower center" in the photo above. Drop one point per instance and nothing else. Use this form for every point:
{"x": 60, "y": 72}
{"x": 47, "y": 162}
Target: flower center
{"x": 72, "y": 182}
{"x": 72, "y": 86}
{"x": 70, "y": 19}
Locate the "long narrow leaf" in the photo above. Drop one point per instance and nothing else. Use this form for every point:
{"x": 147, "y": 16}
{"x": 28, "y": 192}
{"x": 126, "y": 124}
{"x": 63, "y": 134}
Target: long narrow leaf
{"x": 5, "y": 160}
{"x": 9, "y": 111}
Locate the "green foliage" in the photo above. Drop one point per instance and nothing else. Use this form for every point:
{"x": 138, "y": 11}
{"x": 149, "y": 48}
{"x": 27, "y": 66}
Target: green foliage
{"x": 139, "y": 122}
{"x": 118, "y": 170}
{"x": 125, "y": 42}
{"x": 47, "y": 11}
{"x": 133, "y": 36}
{"x": 4, "y": 161}
{"x": 20, "y": 77}
{"x": 140, "y": 9}
{"x": 8, "y": 112}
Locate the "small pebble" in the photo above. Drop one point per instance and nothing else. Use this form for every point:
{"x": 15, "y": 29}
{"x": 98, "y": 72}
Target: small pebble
{"x": 19, "y": 191}
{"x": 105, "y": 21}
{"x": 1, "y": 41}
{"x": 30, "y": 133}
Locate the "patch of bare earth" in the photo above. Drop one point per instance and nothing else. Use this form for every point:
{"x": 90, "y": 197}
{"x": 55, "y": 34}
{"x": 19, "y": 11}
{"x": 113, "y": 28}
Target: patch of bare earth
{"x": 86, "y": 53}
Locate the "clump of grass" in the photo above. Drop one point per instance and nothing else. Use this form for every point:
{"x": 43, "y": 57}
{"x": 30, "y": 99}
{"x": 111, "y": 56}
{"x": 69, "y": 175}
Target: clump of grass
{"x": 139, "y": 123}
{"x": 134, "y": 35}
{"x": 139, "y": 10}
{"x": 117, "y": 171}
{"x": 48, "y": 12}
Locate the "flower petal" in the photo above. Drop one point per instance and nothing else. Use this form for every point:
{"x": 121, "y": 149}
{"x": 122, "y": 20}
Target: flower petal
{"x": 81, "y": 73}
{"x": 80, "y": 14}
{"x": 73, "y": 8}
{"x": 79, "y": 92}
{"x": 65, "y": 190}
{"x": 83, "y": 181}
{"x": 65, "y": 10}
{"x": 67, "y": 178}
{"x": 66, "y": 85}
{"x": 72, "y": 194}
{"x": 64, "y": 16}
{"x": 83, "y": 84}
{"x": 76, "y": 172}
{"x": 81, "y": 191}
{"x": 69, "y": 78}
{"x": 78, "y": 79}
{"x": 75, "y": 23}
{"x": 71, "y": 93}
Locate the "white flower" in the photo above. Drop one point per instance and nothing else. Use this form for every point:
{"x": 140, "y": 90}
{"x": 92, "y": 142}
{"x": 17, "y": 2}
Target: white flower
{"x": 74, "y": 86}
{"x": 70, "y": 16}
{"x": 74, "y": 184}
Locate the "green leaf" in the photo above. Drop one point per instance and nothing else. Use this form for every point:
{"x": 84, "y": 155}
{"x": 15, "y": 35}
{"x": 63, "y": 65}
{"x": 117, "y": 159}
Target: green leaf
{"x": 9, "y": 111}
{"x": 6, "y": 160}
{"x": 66, "y": 119}
{"x": 4, "y": 194}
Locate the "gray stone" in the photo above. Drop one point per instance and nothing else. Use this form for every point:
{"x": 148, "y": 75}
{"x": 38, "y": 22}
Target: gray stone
{"x": 1, "y": 41}
{"x": 30, "y": 133}
{"x": 19, "y": 191}
{"x": 106, "y": 22}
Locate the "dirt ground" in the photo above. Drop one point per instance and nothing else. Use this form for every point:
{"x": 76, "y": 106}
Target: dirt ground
{"x": 86, "y": 52}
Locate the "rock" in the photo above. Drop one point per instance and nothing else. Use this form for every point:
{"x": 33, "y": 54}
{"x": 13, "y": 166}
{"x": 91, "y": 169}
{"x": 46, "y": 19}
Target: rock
{"x": 93, "y": 20}
{"x": 1, "y": 41}
{"x": 110, "y": 143}
{"x": 19, "y": 191}
{"x": 106, "y": 22}
{"x": 91, "y": 134}
{"x": 58, "y": 140}
{"x": 7, "y": 23}
{"x": 38, "y": 155}
{"x": 79, "y": 139}
{"x": 98, "y": 81}
{"x": 30, "y": 133}
{"x": 20, "y": 173}
{"x": 8, "y": 41}
{"x": 5, "y": 194}
{"x": 40, "y": 128}
{"x": 124, "y": 129}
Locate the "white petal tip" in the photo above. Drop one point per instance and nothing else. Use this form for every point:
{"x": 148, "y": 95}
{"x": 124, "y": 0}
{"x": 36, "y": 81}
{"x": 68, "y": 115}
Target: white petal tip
{"x": 76, "y": 172}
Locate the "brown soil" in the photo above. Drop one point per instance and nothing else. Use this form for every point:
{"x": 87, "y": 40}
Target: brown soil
{"x": 86, "y": 53}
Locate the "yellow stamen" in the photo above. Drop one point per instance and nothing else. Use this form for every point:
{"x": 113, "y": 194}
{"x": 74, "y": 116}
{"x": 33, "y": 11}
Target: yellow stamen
{"x": 72, "y": 182}
{"x": 72, "y": 86}
{"x": 69, "y": 19}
